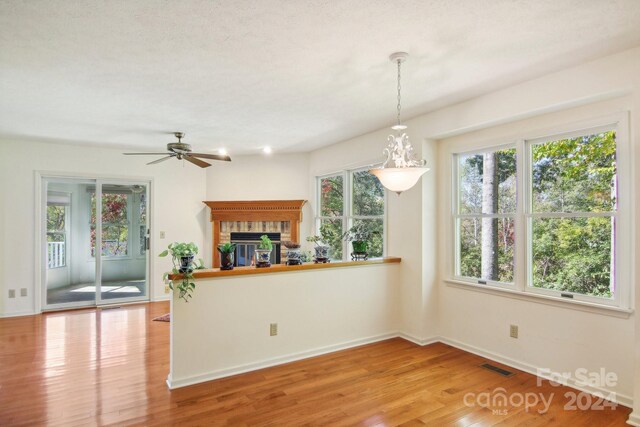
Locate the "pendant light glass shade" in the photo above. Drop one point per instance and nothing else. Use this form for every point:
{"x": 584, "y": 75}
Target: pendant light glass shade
{"x": 401, "y": 170}
{"x": 399, "y": 179}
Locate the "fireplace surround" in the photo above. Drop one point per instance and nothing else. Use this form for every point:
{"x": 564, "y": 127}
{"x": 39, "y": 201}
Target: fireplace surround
{"x": 256, "y": 216}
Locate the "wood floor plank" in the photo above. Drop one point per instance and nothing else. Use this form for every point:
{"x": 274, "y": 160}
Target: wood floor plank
{"x": 93, "y": 367}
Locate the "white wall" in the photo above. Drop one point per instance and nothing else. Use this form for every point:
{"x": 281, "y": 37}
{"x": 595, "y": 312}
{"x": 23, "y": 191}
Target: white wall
{"x": 561, "y": 339}
{"x": 405, "y": 222}
{"x": 261, "y": 177}
{"x": 551, "y": 337}
{"x": 224, "y": 329}
{"x": 177, "y": 194}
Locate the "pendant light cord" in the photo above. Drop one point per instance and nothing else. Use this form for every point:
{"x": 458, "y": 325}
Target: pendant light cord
{"x": 399, "y": 107}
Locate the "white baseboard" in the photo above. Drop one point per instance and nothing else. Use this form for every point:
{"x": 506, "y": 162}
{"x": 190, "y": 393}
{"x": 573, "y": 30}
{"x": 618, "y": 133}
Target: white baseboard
{"x": 634, "y": 419}
{"x": 18, "y": 314}
{"x": 177, "y": 383}
{"x": 162, "y": 298}
{"x": 419, "y": 341}
{"x": 534, "y": 370}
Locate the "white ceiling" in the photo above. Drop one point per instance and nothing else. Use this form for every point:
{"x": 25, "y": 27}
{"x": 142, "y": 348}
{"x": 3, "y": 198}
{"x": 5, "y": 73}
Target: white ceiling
{"x": 294, "y": 75}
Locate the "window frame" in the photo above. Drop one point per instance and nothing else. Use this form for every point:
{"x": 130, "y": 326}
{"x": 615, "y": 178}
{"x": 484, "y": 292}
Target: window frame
{"x": 530, "y": 215}
{"x": 457, "y": 217}
{"x": 65, "y": 233}
{"x": 347, "y": 209}
{"x": 523, "y": 271}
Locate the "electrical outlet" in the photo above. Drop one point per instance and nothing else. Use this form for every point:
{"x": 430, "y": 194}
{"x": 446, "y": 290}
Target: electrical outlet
{"x": 12, "y": 293}
{"x": 23, "y": 292}
{"x": 273, "y": 329}
{"x": 513, "y": 331}
{"x": 167, "y": 289}
{"x": 162, "y": 235}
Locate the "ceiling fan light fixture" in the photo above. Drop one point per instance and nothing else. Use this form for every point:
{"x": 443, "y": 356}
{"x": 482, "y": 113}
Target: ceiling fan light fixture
{"x": 181, "y": 151}
{"x": 400, "y": 170}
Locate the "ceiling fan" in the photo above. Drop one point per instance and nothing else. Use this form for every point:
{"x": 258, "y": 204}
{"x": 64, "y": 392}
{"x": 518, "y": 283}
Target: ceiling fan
{"x": 180, "y": 150}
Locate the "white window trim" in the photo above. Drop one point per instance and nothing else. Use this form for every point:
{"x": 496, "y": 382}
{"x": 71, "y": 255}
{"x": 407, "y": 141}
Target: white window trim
{"x": 455, "y": 206}
{"x": 347, "y": 206}
{"x": 620, "y": 305}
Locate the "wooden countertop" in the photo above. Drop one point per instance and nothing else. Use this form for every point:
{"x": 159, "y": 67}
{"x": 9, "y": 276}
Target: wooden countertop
{"x": 282, "y": 268}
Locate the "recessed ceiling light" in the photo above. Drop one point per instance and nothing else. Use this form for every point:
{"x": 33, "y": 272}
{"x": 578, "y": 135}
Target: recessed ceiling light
{"x": 222, "y": 152}
{"x": 266, "y": 150}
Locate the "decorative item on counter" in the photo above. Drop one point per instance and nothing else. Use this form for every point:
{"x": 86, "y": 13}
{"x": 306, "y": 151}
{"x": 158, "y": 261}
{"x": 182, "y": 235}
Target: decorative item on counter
{"x": 359, "y": 236}
{"x": 321, "y": 249}
{"x": 293, "y": 252}
{"x": 227, "y": 255}
{"x": 182, "y": 255}
{"x": 263, "y": 252}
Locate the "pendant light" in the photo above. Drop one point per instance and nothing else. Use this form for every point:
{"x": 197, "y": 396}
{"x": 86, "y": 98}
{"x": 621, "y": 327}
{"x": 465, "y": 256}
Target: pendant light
{"x": 401, "y": 170}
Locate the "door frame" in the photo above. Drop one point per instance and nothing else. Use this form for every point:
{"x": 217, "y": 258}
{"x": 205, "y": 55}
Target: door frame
{"x": 40, "y": 255}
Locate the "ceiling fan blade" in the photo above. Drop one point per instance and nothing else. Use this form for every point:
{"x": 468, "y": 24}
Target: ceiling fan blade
{"x": 161, "y": 159}
{"x": 195, "y": 161}
{"x": 144, "y": 154}
{"x": 212, "y": 156}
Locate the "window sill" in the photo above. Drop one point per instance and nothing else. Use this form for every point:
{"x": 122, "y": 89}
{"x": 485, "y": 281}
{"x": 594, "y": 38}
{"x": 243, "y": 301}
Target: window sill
{"x": 543, "y": 299}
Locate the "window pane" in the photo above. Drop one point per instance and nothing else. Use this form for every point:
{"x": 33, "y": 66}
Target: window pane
{"x": 331, "y": 233}
{"x": 114, "y": 208}
{"x": 573, "y": 255}
{"x": 376, "y": 243}
{"x": 575, "y": 175}
{"x": 488, "y": 182}
{"x": 331, "y": 196}
{"x": 55, "y": 218}
{"x": 143, "y": 208}
{"x": 143, "y": 239}
{"x": 487, "y": 248}
{"x": 368, "y": 194}
{"x": 115, "y": 240}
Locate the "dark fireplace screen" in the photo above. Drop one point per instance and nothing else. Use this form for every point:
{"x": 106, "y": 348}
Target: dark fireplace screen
{"x": 246, "y": 244}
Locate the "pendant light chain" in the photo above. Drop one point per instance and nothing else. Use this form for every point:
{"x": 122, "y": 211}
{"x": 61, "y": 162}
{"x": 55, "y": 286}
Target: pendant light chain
{"x": 399, "y": 98}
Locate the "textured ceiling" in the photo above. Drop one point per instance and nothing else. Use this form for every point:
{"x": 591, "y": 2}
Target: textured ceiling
{"x": 294, "y": 75}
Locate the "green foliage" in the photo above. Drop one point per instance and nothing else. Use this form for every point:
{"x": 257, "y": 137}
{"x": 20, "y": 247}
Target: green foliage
{"x": 226, "y": 248}
{"x": 359, "y": 232}
{"x": 570, "y": 175}
{"x": 185, "y": 284}
{"x": 265, "y": 242}
{"x": 178, "y": 250}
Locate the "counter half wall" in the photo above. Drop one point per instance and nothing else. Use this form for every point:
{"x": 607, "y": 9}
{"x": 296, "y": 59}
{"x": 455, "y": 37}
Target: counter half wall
{"x": 225, "y": 328}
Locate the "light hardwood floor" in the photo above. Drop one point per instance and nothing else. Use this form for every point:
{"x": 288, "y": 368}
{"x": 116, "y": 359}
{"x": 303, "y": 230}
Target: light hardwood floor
{"x": 94, "y": 367}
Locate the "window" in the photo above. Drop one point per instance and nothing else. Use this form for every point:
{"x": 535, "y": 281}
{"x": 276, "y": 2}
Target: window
{"x": 346, "y": 199}
{"x": 56, "y": 235}
{"x": 141, "y": 222}
{"x": 485, "y": 216}
{"x": 542, "y": 216}
{"x": 572, "y": 212}
{"x": 115, "y": 224}
{"x": 332, "y": 213}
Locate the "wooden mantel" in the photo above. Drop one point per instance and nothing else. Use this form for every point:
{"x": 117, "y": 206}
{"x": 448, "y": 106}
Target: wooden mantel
{"x": 254, "y": 210}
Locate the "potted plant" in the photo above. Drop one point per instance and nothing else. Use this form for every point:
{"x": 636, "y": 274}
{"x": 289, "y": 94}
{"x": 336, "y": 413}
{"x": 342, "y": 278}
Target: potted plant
{"x": 182, "y": 255}
{"x": 293, "y": 252}
{"x": 227, "y": 255}
{"x": 359, "y": 235}
{"x": 321, "y": 248}
{"x": 263, "y": 252}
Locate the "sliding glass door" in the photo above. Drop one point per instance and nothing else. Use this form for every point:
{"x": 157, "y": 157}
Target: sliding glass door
{"x": 96, "y": 242}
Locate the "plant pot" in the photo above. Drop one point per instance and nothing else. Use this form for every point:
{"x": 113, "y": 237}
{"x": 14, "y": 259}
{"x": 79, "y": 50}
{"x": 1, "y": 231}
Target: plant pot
{"x": 293, "y": 256}
{"x": 263, "y": 258}
{"x": 226, "y": 260}
{"x": 360, "y": 246}
{"x": 186, "y": 264}
{"x": 322, "y": 254}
